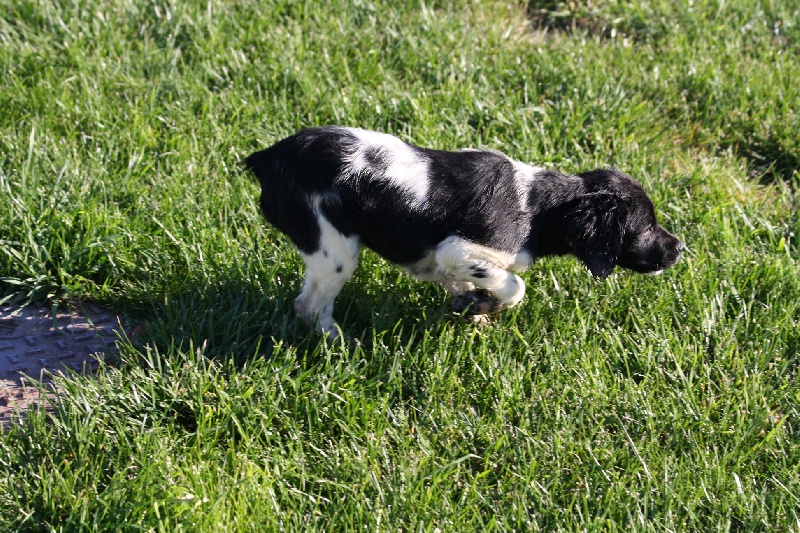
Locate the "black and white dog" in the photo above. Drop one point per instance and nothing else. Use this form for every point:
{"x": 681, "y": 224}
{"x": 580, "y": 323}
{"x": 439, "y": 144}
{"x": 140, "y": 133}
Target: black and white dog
{"x": 467, "y": 220}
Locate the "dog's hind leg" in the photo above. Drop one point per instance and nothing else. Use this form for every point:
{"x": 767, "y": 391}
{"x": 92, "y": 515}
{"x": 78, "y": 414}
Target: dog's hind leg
{"x": 485, "y": 268}
{"x": 457, "y": 288}
{"x": 327, "y": 270}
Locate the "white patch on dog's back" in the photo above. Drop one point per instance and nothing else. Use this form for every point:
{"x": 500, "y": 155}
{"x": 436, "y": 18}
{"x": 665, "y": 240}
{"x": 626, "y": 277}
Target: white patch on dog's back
{"x": 525, "y": 175}
{"x": 404, "y": 166}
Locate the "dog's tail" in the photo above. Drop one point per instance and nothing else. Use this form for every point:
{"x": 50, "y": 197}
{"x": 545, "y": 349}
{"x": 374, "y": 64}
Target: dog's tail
{"x": 273, "y": 163}
{"x": 254, "y": 166}
{"x": 283, "y": 203}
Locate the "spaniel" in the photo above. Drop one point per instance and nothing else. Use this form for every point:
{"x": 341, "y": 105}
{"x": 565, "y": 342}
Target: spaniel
{"x": 469, "y": 220}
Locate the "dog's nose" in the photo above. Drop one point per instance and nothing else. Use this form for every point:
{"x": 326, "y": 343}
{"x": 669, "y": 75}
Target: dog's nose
{"x": 679, "y": 247}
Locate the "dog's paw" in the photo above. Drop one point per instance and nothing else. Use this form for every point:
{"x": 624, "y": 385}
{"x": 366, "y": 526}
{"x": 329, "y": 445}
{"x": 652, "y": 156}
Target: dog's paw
{"x": 480, "y": 321}
{"x": 477, "y": 302}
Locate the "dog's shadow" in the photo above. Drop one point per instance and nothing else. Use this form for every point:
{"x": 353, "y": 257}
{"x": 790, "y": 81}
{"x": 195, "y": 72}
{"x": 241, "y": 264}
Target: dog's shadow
{"x": 240, "y": 317}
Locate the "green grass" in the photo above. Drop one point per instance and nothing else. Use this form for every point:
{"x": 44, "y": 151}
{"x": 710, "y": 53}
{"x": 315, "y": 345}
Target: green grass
{"x": 663, "y": 404}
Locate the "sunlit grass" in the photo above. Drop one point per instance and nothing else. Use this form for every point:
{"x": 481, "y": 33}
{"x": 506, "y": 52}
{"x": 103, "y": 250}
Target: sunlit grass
{"x": 666, "y": 403}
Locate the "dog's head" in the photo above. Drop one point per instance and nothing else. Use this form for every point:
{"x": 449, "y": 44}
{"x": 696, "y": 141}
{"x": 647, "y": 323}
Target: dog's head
{"x": 614, "y": 223}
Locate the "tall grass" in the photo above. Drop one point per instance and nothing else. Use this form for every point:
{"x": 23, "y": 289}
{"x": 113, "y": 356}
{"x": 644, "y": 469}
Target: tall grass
{"x": 665, "y": 403}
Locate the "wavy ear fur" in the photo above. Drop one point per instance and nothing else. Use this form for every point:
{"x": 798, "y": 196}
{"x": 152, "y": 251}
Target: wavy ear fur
{"x": 595, "y": 225}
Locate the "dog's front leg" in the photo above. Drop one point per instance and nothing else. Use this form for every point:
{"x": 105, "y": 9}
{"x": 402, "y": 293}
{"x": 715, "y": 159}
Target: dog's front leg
{"x": 467, "y": 263}
{"x": 327, "y": 270}
{"x": 457, "y": 288}
{"x": 469, "y": 300}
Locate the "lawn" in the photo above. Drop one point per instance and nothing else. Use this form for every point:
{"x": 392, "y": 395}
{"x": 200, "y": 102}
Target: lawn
{"x": 664, "y": 403}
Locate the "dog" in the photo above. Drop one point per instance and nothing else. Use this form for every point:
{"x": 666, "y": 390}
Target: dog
{"x": 469, "y": 220}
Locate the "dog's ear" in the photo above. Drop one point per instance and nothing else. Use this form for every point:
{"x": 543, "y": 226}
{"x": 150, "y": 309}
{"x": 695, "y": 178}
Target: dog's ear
{"x": 595, "y": 225}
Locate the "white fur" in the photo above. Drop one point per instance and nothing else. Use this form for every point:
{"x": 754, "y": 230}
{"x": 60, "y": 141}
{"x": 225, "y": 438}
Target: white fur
{"x": 457, "y": 257}
{"x": 406, "y": 168}
{"x": 525, "y": 176}
{"x": 456, "y": 288}
{"x": 327, "y": 270}
{"x": 522, "y": 262}
{"x": 453, "y": 264}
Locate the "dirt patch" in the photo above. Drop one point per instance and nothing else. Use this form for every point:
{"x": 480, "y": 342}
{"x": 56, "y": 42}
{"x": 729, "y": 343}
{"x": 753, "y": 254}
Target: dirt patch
{"x": 37, "y": 342}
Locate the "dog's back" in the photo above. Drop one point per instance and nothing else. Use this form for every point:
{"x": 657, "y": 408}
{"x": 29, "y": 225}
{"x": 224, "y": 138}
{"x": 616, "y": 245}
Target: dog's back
{"x": 401, "y": 200}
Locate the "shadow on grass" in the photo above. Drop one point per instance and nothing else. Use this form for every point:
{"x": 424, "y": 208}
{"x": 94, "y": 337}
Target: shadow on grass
{"x": 597, "y": 19}
{"x": 235, "y": 318}
{"x": 226, "y": 318}
{"x": 768, "y": 160}
{"x": 226, "y": 325}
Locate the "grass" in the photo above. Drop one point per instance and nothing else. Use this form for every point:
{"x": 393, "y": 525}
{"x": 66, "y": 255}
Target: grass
{"x": 653, "y": 404}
